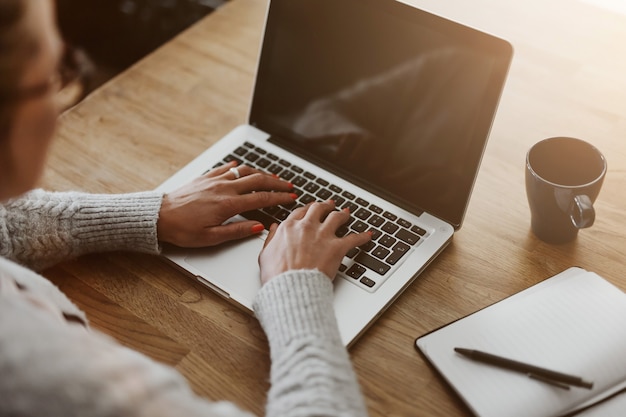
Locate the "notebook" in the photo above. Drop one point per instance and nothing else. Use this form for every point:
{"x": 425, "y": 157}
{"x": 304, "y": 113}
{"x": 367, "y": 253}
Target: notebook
{"x": 571, "y": 323}
{"x": 378, "y": 105}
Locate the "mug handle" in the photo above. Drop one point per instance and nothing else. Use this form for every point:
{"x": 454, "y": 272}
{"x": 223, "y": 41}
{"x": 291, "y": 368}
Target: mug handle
{"x": 582, "y": 212}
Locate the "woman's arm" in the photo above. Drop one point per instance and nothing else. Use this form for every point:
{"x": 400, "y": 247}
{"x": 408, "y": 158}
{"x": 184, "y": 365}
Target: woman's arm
{"x": 42, "y": 228}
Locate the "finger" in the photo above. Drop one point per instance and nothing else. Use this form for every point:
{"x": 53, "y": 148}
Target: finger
{"x": 271, "y": 234}
{"x": 234, "y": 231}
{"x": 258, "y": 181}
{"x": 261, "y": 199}
{"x": 336, "y": 219}
{"x": 299, "y": 213}
{"x": 220, "y": 170}
{"x": 352, "y": 240}
{"x": 320, "y": 210}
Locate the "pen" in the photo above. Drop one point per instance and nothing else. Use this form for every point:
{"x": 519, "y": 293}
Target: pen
{"x": 542, "y": 374}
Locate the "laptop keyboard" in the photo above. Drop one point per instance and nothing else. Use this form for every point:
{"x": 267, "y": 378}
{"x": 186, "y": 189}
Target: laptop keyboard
{"x": 367, "y": 266}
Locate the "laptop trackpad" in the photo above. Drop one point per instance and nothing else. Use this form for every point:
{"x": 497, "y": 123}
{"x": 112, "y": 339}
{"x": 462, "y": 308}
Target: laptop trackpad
{"x": 232, "y": 267}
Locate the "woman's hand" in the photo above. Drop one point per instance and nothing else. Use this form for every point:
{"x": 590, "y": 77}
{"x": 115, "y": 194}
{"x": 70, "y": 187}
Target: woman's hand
{"x": 192, "y": 215}
{"x": 307, "y": 240}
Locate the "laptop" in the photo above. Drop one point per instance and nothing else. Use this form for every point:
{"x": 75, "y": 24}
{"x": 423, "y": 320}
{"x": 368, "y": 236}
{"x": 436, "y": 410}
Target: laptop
{"x": 378, "y": 105}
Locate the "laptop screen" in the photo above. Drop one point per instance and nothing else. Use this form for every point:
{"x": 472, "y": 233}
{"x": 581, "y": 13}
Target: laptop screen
{"x": 382, "y": 94}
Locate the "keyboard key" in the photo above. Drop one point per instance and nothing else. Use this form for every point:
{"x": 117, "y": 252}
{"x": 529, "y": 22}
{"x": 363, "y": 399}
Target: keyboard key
{"x": 271, "y": 210}
{"x": 372, "y": 263}
{"x": 260, "y": 150}
{"x": 297, "y": 169}
{"x": 380, "y": 252}
{"x": 282, "y": 214}
{"x": 231, "y": 158}
{"x": 394, "y": 257}
{"x": 368, "y": 282}
{"x": 376, "y": 221}
{"x": 272, "y": 157}
{"x": 259, "y": 216}
{"x": 335, "y": 189}
{"x": 322, "y": 182}
{"x": 338, "y": 200}
{"x": 241, "y": 151}
{"x": 401, "y": 247}
{"x": 350, "y": 206}
{"x": 397, "y": 253}
{"x": 342, "y": 268}
{"x": 286, "y": 175}
{"x": 375, "y": 233}
{"x": 376, "y": 209}
{"x": 348, "y": 195}
{"x": 390, "y": 216}
{"x": 352, "y": 252}
{"x": 362, "y": 202}
{"x": 306, "y": 199}
{"x": 404, "y": 223}
{"x": 311, "y": 187}
{"x": 284, "y": 163}
{"x": 407, "y": 236}
{"x": 362, "y": 214}
{"x": 387, "y": 241}
{"x": 359, "y": 226}
{"x": 275, "y": 169}
{"x": 309, "y": 175}
{"x": 299, "y": 181}
{"x": 323, "y": 194}
{"x": 248, "y": 145}
{"x": 367, "y": 246}
{"x": 263, "y": 163}
{"x": 390, "y": 228}
{"x": 355, "y": 271}
{"x": 418, "y": 230}
{"x": 252, "y": 157}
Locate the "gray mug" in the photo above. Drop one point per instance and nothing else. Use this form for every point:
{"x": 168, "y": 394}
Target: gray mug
{"x": 563, "y": 178}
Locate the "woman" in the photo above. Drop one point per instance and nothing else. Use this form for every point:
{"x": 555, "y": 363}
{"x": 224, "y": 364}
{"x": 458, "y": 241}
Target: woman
{"x": 51, "y": 363}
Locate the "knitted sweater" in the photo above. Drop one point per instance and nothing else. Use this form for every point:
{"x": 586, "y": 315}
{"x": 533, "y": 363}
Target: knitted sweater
{"x": 53, "y": 364}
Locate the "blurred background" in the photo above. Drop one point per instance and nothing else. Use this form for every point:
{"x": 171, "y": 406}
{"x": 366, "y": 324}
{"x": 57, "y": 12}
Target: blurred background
{"x": 114, "y": 34}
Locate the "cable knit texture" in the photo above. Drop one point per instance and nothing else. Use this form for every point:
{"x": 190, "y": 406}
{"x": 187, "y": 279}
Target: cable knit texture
{"x": 311, "y": 372}
{"x": 55, "y": 367}
{"x": 42, "y": 228}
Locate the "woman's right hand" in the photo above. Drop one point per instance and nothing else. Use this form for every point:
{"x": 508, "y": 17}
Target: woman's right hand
{"x": 307, "y": 240}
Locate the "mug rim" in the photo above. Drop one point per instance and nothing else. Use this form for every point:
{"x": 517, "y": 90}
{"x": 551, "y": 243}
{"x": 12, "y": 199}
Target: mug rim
{"x": 600, "y": 154}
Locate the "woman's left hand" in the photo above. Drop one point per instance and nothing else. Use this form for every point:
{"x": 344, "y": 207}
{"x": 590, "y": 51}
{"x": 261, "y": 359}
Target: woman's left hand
{"x": 192, "y": 215}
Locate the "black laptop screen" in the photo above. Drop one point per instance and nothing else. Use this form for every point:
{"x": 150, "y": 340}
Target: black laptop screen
{"x": 393, "y": 98}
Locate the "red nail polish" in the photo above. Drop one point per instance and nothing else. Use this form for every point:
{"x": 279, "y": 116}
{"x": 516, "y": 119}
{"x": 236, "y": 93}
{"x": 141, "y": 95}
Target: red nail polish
{"x": 290, "y": 185}
{"x": 257, "y": 228}
{"x": 294, "y": 196}
{"x": 275, "y": 176}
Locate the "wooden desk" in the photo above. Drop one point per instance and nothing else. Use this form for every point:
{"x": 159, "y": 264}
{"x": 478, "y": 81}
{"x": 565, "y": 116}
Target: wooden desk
{"x": 567, "y": 78}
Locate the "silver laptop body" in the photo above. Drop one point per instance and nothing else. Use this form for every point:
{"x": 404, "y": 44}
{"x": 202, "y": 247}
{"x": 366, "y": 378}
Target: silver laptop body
{"x": 378, "y": 105}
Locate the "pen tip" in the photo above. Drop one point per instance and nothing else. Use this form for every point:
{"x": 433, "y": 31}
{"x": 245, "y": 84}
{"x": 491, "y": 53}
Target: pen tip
{"x": 463, "y": 351}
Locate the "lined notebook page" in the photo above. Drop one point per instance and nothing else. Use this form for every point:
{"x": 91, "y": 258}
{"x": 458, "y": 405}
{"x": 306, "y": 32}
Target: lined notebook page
{"x": 574, "y": 322}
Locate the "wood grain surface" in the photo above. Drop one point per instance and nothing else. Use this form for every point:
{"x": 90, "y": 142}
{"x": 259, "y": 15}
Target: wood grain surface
{"x": 567, "y": 79}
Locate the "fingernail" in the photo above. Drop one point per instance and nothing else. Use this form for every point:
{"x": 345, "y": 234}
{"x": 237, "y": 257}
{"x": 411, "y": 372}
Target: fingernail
{"x": 275, "y": 176}
{"x": 347, "y": 210}
{"x": 257, "y": 228}
{"x": 294, "y": 196}
{"x": 290, "y": 185}
{"x": 370, "y": 233}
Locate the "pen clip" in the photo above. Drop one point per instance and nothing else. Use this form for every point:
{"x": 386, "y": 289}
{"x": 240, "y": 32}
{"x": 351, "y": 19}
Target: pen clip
{"x": 549, "y": 381}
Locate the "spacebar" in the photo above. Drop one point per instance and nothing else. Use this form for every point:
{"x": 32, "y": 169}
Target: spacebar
{"x": 372, "y": 263}
{"x": 260, "y": 217}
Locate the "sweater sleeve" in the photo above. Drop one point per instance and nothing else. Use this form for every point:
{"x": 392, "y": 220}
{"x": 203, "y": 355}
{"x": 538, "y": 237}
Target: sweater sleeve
{"x": 311, "y": 372}
{"x": 42, "y": 228}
